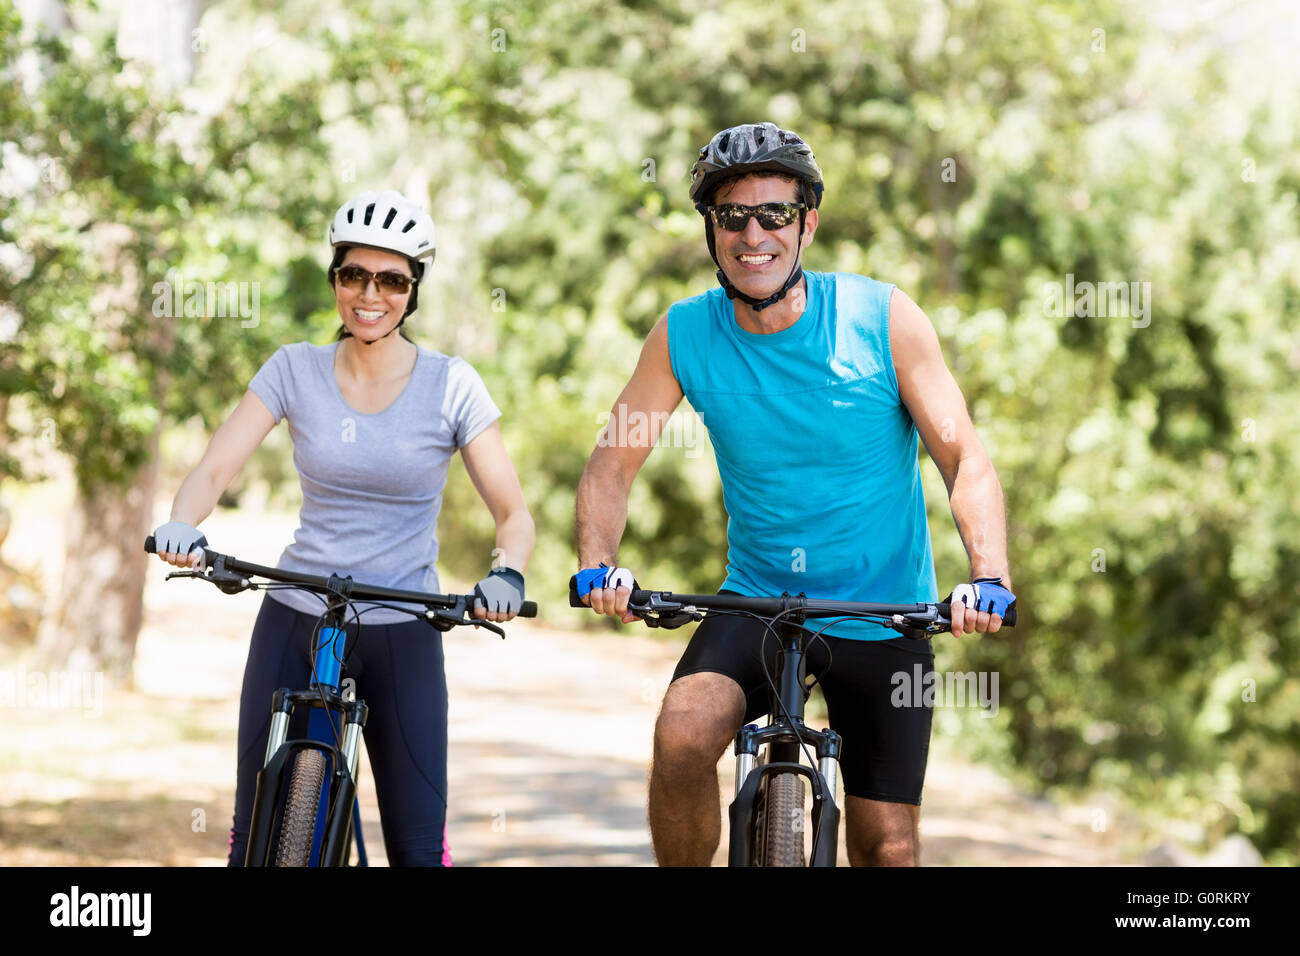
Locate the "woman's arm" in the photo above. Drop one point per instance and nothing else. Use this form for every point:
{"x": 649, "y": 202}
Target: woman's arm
{"x": 493, "y": 475}
{"x": 230, "y": 448}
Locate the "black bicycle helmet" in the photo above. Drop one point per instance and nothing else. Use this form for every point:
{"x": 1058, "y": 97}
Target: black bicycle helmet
{"x": 753, "y": 148}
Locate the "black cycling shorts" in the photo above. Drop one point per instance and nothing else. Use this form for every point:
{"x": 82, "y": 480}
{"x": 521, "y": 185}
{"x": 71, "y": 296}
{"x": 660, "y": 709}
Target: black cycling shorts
{"x": 884, "y": 747}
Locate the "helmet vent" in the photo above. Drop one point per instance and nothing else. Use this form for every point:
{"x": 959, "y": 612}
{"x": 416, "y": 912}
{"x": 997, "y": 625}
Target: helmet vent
{"x": 722, "y": 143}
{"x": 383, "y": 219}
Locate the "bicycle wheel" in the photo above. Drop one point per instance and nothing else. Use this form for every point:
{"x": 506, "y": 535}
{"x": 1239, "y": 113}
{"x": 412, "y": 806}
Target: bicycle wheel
{"x": 782, "y": 821}
{"x": 300, "y": 809}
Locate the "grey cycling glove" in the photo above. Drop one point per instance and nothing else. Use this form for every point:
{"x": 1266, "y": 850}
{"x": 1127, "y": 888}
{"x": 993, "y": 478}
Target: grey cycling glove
{"x": 502, "y": 590}
{"x": 177, "y": 537}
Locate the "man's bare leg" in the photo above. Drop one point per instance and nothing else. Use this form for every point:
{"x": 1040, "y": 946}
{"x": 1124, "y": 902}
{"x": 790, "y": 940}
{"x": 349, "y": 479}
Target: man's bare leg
{"x": 700, "y": 716}
{"x": 882, "y": 834}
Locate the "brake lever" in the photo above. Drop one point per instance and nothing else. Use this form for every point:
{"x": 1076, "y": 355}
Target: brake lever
{"x": 671, "y": 621}
{"x": 444, "y": 621}
{"x": 666, "y": 614}
{"x": 919, "y": 626}
{"x": 489, "y": 625}
{"x": 226, "y": 581}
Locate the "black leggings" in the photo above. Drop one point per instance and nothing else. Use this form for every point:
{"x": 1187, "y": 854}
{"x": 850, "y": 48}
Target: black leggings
{"x": 398, "y": 669}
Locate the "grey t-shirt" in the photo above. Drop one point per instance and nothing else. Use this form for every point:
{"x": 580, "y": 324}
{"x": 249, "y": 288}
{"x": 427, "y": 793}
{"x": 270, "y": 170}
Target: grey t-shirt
{"x": 371, "y": 484}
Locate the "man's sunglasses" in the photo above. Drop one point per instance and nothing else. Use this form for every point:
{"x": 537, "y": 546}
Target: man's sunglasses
{"x": 389, "y": 282}
{"x": 733, "y": 217}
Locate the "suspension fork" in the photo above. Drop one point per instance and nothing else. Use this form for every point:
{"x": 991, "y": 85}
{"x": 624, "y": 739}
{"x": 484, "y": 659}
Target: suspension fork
{"x": 326, "y": 673}
{"x": 329, "y": 839}
{"x": 783, "y": 747}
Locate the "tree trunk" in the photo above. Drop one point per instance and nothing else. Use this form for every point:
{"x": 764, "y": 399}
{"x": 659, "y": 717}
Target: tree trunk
{"x": 94, "y": 623}
{"x": 96, "y": 618}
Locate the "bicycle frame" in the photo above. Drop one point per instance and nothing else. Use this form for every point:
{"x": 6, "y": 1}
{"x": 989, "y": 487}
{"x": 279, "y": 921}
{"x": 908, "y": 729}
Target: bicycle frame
{"x": 786, "y": 733}
{"x": 337, "y": 810}
{"x": 338, "y": 801}
{"x": 782, "y": 739}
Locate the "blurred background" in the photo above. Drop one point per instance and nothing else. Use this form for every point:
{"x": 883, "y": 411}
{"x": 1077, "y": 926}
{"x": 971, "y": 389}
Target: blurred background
{"x": 1095, "y": 202}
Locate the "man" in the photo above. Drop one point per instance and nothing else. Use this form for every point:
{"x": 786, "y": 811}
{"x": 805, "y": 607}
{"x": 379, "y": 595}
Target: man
{"x": 813, "y": 387}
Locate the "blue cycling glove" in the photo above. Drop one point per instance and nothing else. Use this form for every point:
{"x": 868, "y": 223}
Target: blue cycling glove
{"x": 984, "y": 594}
{"x": 588, "y": 579}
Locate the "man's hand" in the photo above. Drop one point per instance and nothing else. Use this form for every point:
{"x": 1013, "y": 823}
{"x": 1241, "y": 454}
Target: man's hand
{"x": 979, "y": 606}
{"x": 607, "y": 590}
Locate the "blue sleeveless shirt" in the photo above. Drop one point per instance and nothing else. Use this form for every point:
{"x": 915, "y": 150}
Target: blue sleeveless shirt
{"x": 816, "y": 451}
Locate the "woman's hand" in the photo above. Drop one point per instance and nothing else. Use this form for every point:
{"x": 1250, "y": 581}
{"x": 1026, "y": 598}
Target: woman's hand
{"x": 180, "y": 544}
{"x": 500, "y": 595}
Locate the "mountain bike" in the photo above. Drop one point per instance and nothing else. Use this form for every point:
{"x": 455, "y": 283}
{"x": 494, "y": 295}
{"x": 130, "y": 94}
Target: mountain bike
{"x": 766, "y": 817}
{"x": 321, "y": 812}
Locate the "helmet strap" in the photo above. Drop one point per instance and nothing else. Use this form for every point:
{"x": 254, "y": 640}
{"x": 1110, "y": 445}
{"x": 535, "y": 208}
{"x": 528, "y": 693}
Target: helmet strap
{"x": 758, "y": 305}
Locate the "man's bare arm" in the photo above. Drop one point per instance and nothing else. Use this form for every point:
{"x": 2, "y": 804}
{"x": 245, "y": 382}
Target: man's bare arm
{"x": 936, "y": 405}
{"x": 653, "y": 392}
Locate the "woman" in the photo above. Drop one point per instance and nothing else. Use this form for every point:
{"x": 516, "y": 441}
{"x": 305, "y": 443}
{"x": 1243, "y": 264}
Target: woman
{"x": 375, "y": 420}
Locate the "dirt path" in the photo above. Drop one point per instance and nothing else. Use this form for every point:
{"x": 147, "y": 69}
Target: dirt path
{"x": 550, "y": 741}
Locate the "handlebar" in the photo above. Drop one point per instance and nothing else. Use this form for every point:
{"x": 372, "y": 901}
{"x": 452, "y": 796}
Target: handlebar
{"x": 666, "y": 609}
{"x": 232, "y": 575}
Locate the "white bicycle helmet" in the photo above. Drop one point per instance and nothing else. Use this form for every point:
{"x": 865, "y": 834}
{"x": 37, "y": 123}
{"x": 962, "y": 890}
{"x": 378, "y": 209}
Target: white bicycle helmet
{"x": 387, "y": 220}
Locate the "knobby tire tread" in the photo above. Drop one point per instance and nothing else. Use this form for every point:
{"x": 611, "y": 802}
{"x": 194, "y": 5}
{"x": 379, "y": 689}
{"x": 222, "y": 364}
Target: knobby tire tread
{"x": 300, "y": 809}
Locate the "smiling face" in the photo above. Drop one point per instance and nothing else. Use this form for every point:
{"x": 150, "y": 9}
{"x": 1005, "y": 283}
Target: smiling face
{"x": 756, "y": 260}
{"x": 369, "y": 313}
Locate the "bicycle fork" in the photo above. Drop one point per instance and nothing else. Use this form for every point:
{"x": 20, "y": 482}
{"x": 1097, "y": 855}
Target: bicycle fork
{"x": 330, "y": 840}
{"x": 783, "y": 739}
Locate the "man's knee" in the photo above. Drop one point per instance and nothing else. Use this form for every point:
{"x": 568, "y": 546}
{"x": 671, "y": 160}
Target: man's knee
{"x": 882, "y": 834}
{"x": 700, "y": 715}
{"x": 893, "y": 849}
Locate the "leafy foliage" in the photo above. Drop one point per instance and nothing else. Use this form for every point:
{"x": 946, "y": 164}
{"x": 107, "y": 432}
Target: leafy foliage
{"x": 975, "y": 152}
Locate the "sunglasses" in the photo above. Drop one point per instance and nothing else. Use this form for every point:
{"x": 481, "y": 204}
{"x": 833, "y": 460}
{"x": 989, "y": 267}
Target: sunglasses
{"x": 733, "y": 217}
{"x": 389, "y": 282}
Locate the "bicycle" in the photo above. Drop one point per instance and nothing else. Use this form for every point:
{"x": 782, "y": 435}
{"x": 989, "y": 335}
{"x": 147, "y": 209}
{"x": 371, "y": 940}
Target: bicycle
{"x": 321, "y": 811}
{"x": 766, "y": 815}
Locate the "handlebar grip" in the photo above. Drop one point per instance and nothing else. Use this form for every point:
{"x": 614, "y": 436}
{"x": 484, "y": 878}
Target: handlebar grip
{"x": 574, "y": 600}
{"x": 528, "y": 609}
{"x": 1008, "y": 621}
{"x": 151, "y": 547}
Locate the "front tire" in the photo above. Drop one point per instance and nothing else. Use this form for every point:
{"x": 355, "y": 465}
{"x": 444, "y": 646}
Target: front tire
{"x": 300, "y": 809}
{"x": 781, "y": 822}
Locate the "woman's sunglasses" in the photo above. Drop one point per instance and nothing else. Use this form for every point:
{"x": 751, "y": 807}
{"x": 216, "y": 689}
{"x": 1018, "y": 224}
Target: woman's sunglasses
{"x": 389, "y": 282}
{"x": 733, "y": 217}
